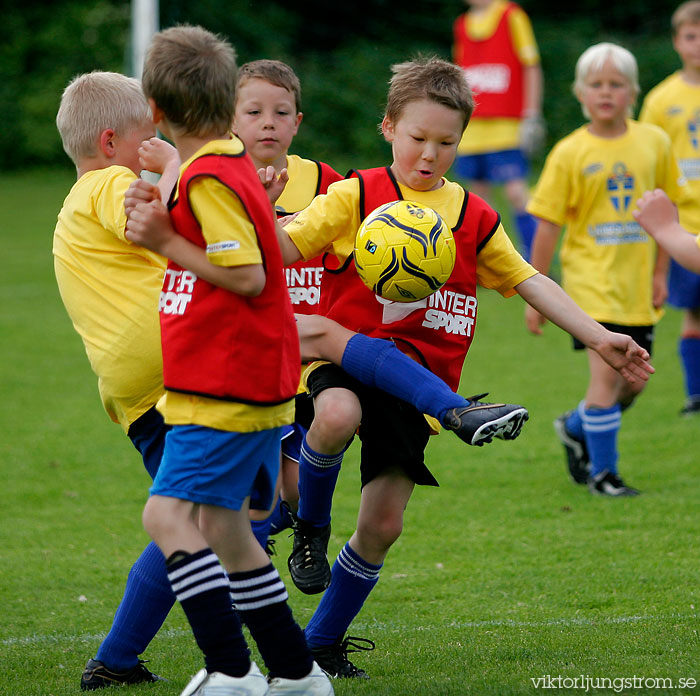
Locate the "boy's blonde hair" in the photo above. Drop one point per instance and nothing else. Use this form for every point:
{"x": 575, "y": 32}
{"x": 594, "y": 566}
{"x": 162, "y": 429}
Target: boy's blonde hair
{"x": 594, "y": 58}
{"x": 275, "y": 72}
{"x": 94, "y": 102}
{"x": 190, "y": 73}
{"x": 429, "y": 78}
{"x": 686, "y": 13}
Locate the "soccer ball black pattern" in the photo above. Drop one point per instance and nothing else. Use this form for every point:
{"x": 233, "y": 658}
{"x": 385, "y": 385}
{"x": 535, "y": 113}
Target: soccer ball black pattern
{"x": 404, "y": 251}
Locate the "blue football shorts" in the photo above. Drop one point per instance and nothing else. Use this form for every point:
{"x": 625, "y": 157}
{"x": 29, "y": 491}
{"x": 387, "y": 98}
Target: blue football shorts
{"x": 217, "y": 467}
{"x": 293, "y": 435}
{"x": 492, "y": 167}
{"x": 683, "y": 287}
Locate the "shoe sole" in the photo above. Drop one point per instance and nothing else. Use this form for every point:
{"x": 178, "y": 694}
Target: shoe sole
{"x": 577, "y": 448}
{"x": 310, "y": 587}
{"x": 506, "y": 427}
{"x": 624, "y": 493}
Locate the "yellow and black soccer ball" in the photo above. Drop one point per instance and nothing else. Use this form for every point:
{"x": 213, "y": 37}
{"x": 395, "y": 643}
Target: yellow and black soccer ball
{"x": 404, "y": 251}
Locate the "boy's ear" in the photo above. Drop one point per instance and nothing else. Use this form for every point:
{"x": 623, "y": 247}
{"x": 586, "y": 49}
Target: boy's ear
{"x": 156, "y": 111}
{"x": 387, "y": 129}
{"x": 300, "y": 116}
{"x": 107, "y": 146}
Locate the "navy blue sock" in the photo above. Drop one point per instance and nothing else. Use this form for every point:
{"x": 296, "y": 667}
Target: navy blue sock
{"x": 689, "y": 351}
{"x": 574, "y": 423}
{"x": 279, "y": 518}
{"x": 260, "y": 599}
{"x": 352, "y": 579}
{"x": 146, "y": 602}
{"x": 379, "y": 363}
{"x": 202, "y": 587}
{"x": 527, "y": 227}
{"x": 261, "y": 530}
{"x": 600, "y": 426}
{"x": 318, "y": 474}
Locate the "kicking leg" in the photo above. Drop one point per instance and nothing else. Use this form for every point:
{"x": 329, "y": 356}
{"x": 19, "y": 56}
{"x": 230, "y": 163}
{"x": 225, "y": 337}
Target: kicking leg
{"x": 378, "y": 363}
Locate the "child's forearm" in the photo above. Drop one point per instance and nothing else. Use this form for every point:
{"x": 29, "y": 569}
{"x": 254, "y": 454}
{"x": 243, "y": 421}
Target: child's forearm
{"x": 533, "y": 87}
{"x": 682, "y": 247}
{"x": 168, "y": 179}
{"x": 290, "y": 253}
{"x": 544, "y": 245}
{"x": 246, "y": 280}
{"x": 552, "y": 302}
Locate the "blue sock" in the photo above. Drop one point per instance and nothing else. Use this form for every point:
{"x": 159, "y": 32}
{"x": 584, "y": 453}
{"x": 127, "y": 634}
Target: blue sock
{"x": 527, "y": 226}
{"x": 146, "y": 602}
{"x": 261, "y": 530}
{"x": 318, "y": 474}
{"x": 600, "y": 426}
{"x": 352, "y": 579}
{"x": 574, "y": 423}
{"x": 279, "y": 518}
{"x": 689, "y": 350}
{"x": 379, "y": 363}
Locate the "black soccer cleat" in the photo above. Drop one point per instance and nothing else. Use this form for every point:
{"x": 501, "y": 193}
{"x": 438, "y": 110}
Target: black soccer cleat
{"x": 691, "y": 406}
{"x": 333, "y": 659}
{"x": 480, "y": 422}
{"x": 308, "y": 564}
{"x": 577, "y": 459}
{"x": 607, "y": 483}
{"x": 97, "y": 675}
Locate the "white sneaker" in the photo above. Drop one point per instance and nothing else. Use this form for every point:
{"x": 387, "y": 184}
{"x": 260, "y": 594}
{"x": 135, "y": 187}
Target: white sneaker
{"x": 315, "y": 683}
{"x": 218, "y": 684}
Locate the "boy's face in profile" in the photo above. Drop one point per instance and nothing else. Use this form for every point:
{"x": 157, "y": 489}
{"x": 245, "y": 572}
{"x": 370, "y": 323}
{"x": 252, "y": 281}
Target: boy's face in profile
{"x": 424, "y": 143}
{"x": 686, "y": 42}
{"x": 126, "y": 147}
{"x": 266, "y": 120}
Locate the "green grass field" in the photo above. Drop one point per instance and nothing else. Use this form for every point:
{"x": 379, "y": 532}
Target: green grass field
{"x": 506, "y": 573}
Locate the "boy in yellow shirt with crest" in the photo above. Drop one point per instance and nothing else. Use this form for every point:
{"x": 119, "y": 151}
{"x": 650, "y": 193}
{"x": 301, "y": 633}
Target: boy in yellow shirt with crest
{"x": 610, "y": 267}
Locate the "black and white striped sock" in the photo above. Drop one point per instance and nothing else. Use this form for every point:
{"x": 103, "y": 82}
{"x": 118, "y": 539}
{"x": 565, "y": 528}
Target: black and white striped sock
{"x": 201, "y": 586}
{"x": 260, "y": 597}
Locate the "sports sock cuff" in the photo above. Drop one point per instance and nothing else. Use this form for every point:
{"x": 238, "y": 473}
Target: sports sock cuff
{"x": 318, "y": 460}
{"x": 351, "y": 562}
{"x": 602, "y": 419}
{"x": 254, "y": 589}
{"x": 197, "y": 573}
{"x": 363, "y": 356}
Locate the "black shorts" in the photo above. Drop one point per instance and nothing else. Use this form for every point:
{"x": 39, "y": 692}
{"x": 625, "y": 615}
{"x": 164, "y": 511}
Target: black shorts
{"x": 392, "y": 432}
{"x": 643, "y": 335}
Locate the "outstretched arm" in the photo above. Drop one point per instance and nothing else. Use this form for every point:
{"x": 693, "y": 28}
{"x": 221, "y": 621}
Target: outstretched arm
{"x": 543, "y": 246}
{"x": 658, "y": 215}
{"x": 618, "y": 350}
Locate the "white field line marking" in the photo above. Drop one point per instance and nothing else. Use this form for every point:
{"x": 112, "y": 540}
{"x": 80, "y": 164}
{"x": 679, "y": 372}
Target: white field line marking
{"x": 38, "y": 639}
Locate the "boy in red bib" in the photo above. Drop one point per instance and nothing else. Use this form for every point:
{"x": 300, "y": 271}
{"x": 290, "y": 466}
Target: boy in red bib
{"x": 495, "y": 45}
{"x": 429, "y": 104}
{"x": 231, "y": 370}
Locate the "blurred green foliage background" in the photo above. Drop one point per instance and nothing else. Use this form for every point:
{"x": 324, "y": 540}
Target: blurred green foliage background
{"x": 341, "y": 51}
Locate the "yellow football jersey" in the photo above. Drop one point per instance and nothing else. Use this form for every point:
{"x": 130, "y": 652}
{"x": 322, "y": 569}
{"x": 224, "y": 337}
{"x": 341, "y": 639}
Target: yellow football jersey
{"x": 590, "y": 185}
{"x": 301, "y": 187}
{"x": 330, "y": 224}
{"x": 674, "y": 105}
{"x": 110, "y": 289}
